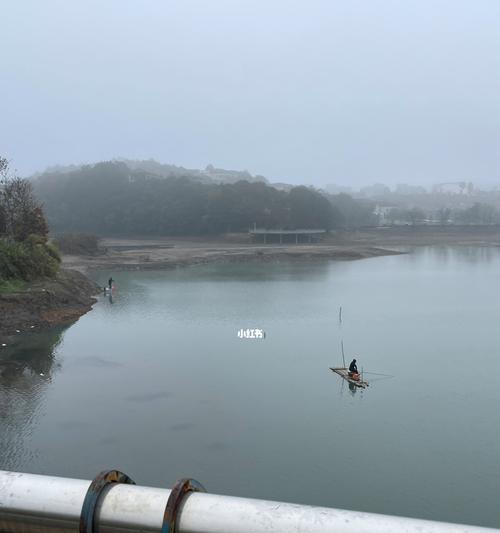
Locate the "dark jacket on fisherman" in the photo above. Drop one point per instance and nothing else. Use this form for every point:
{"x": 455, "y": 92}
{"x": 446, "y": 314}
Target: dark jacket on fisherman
{"x": 352, "y": 367}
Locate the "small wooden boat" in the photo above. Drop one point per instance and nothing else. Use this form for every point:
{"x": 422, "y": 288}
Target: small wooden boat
{"x": 343, "y": 372}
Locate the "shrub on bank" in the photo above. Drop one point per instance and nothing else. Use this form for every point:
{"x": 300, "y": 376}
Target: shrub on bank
{"x": 11, "y": 286}
{"x": 28, "y": 260}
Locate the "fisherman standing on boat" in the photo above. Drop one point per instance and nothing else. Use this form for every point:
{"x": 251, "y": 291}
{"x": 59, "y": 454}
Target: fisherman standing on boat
{"x": 353, "y": 369}
{"x": 110, "y": 283}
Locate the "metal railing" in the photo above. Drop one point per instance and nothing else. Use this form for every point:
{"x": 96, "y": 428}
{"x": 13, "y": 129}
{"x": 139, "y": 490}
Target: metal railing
{"x": 33, "y": 503}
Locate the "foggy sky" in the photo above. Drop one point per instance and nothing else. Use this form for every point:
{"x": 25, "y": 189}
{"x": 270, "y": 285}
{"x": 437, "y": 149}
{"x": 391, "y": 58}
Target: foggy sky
{"x": 349, "y": 92}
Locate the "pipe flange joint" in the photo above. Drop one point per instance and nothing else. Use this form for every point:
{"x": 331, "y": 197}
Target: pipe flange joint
{"x": 99, "y": 483}
{"x": 177, "y": 496}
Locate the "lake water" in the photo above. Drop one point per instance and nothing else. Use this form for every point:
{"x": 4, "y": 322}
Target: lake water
{"x": 157, "y": 383}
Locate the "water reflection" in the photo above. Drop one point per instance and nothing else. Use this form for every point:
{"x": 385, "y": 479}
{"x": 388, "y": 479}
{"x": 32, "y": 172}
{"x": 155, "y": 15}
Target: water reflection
{"x": 275, "y": 270}
{"x": 444, "y": 254}
{"x": 351, "y": 388}
{"x": 26, "y": 371}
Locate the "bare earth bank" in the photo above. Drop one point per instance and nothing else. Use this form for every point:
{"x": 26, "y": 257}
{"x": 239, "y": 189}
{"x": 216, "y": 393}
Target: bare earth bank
{"x": 45, "y": 303}
{"x": 156, "y": 254}
{"x": 149, "y": 253}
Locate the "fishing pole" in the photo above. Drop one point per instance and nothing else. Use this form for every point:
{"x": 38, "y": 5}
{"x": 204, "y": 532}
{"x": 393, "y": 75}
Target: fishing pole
{"x": 378, "y": 374}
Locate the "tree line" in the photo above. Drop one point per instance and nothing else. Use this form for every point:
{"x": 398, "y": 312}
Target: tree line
{"x": 25, "y": 253}
{"x": 111, "y": 198}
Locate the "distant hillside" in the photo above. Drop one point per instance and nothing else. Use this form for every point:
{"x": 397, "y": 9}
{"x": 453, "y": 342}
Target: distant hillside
{"x": 152, "y": 168}
{"x": 148, "y": 198}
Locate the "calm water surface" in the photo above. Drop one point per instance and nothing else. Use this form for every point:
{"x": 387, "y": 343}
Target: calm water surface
{"x": 157, "y": 383}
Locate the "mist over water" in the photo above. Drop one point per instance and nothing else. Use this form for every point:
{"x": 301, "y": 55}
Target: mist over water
{"x": 155, "y": 381}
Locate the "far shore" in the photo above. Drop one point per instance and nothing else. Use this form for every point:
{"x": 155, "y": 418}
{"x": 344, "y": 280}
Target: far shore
{"x": 156, "y": 253}
{"x": 52, "y": 302}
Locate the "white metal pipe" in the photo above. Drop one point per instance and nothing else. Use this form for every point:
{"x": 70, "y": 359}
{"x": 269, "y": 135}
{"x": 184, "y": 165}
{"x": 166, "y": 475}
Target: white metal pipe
{"x": 33, "y": 503}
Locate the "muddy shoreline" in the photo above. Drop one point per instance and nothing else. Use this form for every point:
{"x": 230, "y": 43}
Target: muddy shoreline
{"x": 145, "y": 258}
{"x": 44, "y": 304}
{"x": 148, "y": 253}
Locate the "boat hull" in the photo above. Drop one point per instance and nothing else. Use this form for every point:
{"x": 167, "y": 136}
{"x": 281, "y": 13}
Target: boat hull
{"x": 343, "y": 372}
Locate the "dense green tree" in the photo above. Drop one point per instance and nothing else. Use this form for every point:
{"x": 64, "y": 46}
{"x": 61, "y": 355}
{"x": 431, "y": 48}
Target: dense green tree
{"x": 21, "y": 213}
{"x": 25, "y": 254}
{"x": 443, "y": 215}
{"x": 109, "y": 198}
{"x": 310, "y": 209}
{"x": 354, "y": 213}
{"x": 415, "y": 216}
{"x": 479, "y": 213}
{"x": 394, "y": 215}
